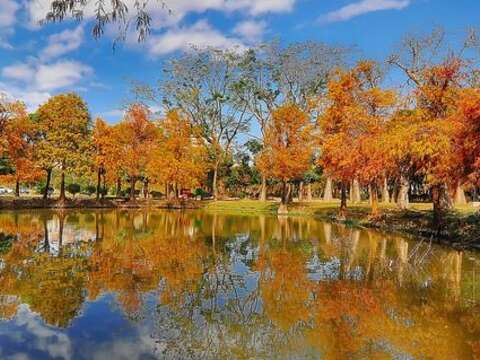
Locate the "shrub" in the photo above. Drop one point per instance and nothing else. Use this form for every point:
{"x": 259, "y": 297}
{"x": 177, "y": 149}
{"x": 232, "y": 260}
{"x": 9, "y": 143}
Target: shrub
{"x": 89, "y": 189}
{"x": 73, "y": 189}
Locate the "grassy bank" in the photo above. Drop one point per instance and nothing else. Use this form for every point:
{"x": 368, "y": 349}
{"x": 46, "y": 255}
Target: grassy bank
{"x": 462, "y": 228}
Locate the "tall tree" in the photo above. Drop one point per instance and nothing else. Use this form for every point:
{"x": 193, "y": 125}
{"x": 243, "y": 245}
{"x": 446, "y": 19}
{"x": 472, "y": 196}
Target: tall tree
{"x": 179, "y": 158}
{"x": 437, "y": 73}
{"x": 202, "y": 84}
{"x": 272, "y": 74}
{"x": 65, "y": 123}
{"x": 18, "y": 147}
{"x": 103, "y": 149}
{"x": 288, "y": 146}
{"x": 136, "y": 140}
{"x": 375, "y": 105}
{"x": 339, "y": 135}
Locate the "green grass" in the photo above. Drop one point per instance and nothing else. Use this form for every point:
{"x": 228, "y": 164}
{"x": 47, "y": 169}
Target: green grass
{"x": 243, "y": 206}
{"x": 318, "y": 207}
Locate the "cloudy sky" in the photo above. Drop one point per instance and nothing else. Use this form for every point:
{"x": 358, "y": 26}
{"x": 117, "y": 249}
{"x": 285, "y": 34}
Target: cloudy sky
{"x": 39, "y": 61}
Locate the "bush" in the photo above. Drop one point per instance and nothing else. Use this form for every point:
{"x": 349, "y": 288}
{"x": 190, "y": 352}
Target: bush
{"x": 73, "y": 189}
{"x": 40, "y": 188}
{"x": 90, "y": 189}
{"x": 200, "y": 192}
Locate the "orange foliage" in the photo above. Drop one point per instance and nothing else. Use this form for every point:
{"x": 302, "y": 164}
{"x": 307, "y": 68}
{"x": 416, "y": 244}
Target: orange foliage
{"x": 19, "y": 146}
{"x": 352, "y": 126}
{"x": 288, "y": 146}
{"x": 179, "y": 156}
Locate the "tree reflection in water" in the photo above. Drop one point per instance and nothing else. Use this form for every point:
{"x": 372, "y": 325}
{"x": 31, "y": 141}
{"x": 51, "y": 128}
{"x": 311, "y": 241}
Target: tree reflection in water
{"x": 228, "y": 287}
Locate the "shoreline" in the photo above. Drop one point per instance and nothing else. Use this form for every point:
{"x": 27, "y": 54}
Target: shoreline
{"x": 415, "y": 222}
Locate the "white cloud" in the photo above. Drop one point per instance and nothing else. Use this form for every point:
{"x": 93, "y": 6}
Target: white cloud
{"x": 200, "y": 34}
{"x": 48, "y": 76}
{"x": 62, "y": 43}
{"x": 33, "y": 83}
{"x": 257, "y": 7}
{"x": 8, "y": 9}
{"x": 363, "y": 7}
{"x": 250, "y": 30}
{"x": 32, "y": 98}
{"x": 60, "y": 74}
{"x": 19, "y": 71}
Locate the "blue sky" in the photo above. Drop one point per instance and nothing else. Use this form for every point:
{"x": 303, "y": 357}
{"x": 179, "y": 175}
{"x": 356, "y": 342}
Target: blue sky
{"x": 39, "y": 61}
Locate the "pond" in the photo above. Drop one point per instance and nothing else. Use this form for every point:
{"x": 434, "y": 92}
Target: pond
{"x": 137, "y": 284}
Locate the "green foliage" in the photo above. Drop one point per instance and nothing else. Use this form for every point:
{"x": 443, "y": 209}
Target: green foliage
{"x": 200, "y": 192}
{"x": 6, "y": 167}
{"x": 73, "y": 189}
{"x": 40, "y": 188}
{"x": 5, "y": 243}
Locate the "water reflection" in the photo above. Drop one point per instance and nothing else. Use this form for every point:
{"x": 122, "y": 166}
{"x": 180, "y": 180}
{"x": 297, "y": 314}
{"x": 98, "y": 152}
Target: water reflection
{"x": 157, "y": 284}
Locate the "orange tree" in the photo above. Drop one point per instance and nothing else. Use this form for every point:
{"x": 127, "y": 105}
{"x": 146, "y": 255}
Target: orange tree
{"x": 375, "y": 106}
{"x": 288, "y": 146}
{"x": 179, "y": 158}
{"x": 64, "y": 122}
{"x": 352, "y": 126}
{"x": 18, "y": 147}
{"x": 467, "y": 135}
{"x": 136, "y": 136}
{"x": 106, "y": 154}
{"x": 437, "y": 75}
{"x": 339, "y": 136}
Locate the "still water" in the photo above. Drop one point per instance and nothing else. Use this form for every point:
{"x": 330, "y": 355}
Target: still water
{"x": 191, "y": 285}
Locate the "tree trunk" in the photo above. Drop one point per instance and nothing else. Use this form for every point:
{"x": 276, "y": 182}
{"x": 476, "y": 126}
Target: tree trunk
{"x": 403, "y": 200}
{"x": 99, "y": 183}
{"x": 395, "y": 192}
{"x": 374, "y": 199}
{"x": 309, "y": 192}
{"x": 263, "y": 189}
{"x": 119, "y": 186}
{"x": 290, "y": 188}
{"x": 17, "y": 188}
{"x": 356, "y": 196}
{"x": 285, "y": 192}
{"x": 145, "y": 189}
{"x": 343, "y": 200}
{"x": 214, "y": 182}
{"x": 441, "y": 205}
{"x": 104, "y": 187}
{"x": 133, "y": 181}
{"x": 300, "y": 191}
{"x": 170, "y": 191}
{"x": 282, "y": 210}
{"x": 327, "y": 192}
{"x": 459, "y": 196}
{"x": 385, "y": 193}
{"x": 47, "y": 185}
{"x": 62, "y": 184}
